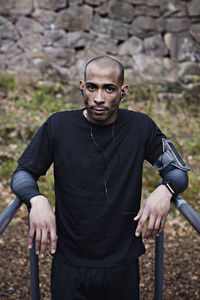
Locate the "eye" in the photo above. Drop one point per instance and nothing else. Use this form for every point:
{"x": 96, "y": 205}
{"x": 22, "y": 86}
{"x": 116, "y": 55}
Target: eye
{"x": 110, "y": 89}
{"x": 91, "y": 87}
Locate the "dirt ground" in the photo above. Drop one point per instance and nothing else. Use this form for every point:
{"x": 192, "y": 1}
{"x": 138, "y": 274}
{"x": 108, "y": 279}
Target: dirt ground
{"x": 181, "y": 263}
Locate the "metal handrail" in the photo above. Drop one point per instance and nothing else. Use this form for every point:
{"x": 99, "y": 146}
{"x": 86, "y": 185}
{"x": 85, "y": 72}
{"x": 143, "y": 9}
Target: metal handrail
{"x": 187, "y": 211}
{"x": 194, "y": 219}
{"x": 8, "y": 213}
{"x": 5, "y": 218}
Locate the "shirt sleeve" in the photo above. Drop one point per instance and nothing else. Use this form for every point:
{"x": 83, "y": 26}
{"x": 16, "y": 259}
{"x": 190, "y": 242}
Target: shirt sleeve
{"x": 38, "y": 156}
{"x": 153, "y": 147}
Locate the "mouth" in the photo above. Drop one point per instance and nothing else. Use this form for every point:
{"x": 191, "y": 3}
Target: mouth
{"x": 99, "y": 110}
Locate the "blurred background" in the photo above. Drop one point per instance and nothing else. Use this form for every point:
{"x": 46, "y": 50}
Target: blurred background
{"x": 44, "y": 45}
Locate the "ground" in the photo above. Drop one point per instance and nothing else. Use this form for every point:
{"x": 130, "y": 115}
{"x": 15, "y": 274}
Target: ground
{"x": 181, "y": 261}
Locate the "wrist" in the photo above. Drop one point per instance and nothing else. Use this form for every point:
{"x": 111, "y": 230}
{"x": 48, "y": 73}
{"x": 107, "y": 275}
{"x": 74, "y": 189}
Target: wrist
{"x": 38, "y": 199}
{"x": 167, "y": 189}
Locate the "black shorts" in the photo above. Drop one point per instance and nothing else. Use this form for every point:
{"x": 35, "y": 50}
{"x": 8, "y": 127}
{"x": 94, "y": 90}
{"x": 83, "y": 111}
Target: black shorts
{"x": 69, "y": 282}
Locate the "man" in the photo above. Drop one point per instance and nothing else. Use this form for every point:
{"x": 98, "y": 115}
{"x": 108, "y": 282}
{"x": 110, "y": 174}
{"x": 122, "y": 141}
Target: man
{"x": 98, "y": 154}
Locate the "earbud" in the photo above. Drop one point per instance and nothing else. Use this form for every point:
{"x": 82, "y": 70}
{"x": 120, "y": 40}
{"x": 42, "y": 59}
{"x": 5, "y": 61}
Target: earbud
{"x": 123, "y": 94}
{"x": 82, "y": 91}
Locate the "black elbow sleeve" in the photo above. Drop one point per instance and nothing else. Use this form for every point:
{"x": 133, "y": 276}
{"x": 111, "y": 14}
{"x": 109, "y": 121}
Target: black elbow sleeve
{"x": 178, "y": 179}
{"x": 25, "y": 186}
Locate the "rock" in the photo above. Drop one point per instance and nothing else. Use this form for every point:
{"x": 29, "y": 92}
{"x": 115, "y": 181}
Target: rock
{"x": 171, "y": 41}
{"x": 105, "y": 45}
{"x": 2, "y": 63}
{"x": 193, "y": 8}
{"x": 19, "y": 63}
{"x": 32, "y": 45}
{"x": 195, "y": 31}
{"x": 173, "y": 8}
{"x": 23, "y": 7}
{"x": 132, "y": 76}
{"x": 27, "y": 26}
{"x": 114, "y": 28}
{"x": 182, "y": 47}
{"x": 145, "y": 26}
{"x": 59, "y": 38}
{"x": 74, "y": 2}
{"x": 121, "y": 11}
{"x": 6, "y": 7}
{"x": 187, "y": 49}
{"x": 20, "y": 7}
{"x": 62, "y": 57}
{"x": 76, "y": 39}
{"x": 75, "y": 18}
{"x": 54, "y": 38}
{"x": 52, "y": 72}
{"x": 10, "y": 49}
{"x": 149, "y": 66}
{"x": 155, "y": 45}
{"x": 45, "y": 17}
{"x": 94, "y": 2}
{"x": 127, "y": 62}
{"x": 51, "y": 4}
{"x": 188, "y": 68}
{"x": 102, "y": 10}
{"x": 131, "y": 46}
{"x": 177, "y": 24}
{"x": 145, "y": 2}
{"x": 7, "y": 30}
{"x": 143, "y": 10}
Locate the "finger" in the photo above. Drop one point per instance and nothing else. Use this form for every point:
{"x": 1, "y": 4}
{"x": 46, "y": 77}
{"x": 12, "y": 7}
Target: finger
{"x": 43, "y": 244}
{"x": 140, "y": 225}
{"x": 31, "y": 236}
{"x": 150, "y": 228}
{"x": 139, "y": 214}
{"x": 54, "y": 238}
{"x": 37, "y": 241}
{"x": 157, "y": 227}
{"x": 162, "y": 225}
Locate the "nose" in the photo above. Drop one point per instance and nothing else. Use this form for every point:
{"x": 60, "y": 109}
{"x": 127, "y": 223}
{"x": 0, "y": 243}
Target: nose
{"x": 99, "y": 97}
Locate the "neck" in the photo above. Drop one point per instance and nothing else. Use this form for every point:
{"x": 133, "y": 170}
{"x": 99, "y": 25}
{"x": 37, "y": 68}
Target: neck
{"x": 100, "y": 123}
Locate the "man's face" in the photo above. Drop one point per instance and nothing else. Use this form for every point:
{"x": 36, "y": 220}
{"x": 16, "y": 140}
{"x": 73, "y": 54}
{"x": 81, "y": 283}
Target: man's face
{"x": 102, "y": 93}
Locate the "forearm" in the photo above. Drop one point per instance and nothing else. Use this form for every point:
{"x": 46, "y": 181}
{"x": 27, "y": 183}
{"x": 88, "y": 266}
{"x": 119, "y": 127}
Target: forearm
{"x": 25, "y": 186}
{"x": 177, "y": 179}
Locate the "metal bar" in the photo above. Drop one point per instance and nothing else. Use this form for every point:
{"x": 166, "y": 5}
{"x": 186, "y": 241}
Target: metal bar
{"x": 8, "y": 213}
{"x": 34, "y": 269}
{"x": 188, "y": 212}
{"x": 159, "y": 245}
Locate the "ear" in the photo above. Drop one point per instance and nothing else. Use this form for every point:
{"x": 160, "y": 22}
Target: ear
{"x": 125, "y": 88}
{"x": 81, "y": 84}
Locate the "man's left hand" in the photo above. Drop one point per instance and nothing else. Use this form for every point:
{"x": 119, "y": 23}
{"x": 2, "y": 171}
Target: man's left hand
{"x": 154, "y": 209}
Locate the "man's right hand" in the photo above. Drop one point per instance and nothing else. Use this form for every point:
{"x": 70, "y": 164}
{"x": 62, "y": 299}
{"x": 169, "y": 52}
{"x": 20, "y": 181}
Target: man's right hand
{"x": 42, "y": 223}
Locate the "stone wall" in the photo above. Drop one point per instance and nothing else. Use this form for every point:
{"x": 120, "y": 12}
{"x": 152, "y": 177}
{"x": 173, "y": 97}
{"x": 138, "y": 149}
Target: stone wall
{"x": 52, "y": 39}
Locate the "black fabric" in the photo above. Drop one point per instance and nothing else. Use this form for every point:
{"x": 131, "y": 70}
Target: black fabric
{"x": 24, "y": 185}
{"x": 69, "y": 282}
{"x": 98, "y": 179}
{"x": 178, "y": 179}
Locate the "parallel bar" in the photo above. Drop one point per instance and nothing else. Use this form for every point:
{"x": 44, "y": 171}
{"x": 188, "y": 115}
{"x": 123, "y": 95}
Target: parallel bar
{"x": 8, "y": 213}
{"x": 159, "y": 242}
{"x": 188, "y": 212}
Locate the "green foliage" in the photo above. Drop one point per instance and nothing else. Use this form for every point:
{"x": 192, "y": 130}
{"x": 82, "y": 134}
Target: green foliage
{"x": 7, "y": 168}
{"x": 144, "y": 91}
{"x": 7, "y": 82}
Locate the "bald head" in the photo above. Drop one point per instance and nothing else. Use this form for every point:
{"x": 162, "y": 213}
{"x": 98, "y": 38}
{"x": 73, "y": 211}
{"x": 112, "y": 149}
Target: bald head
{"x": 105, "y": 62}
